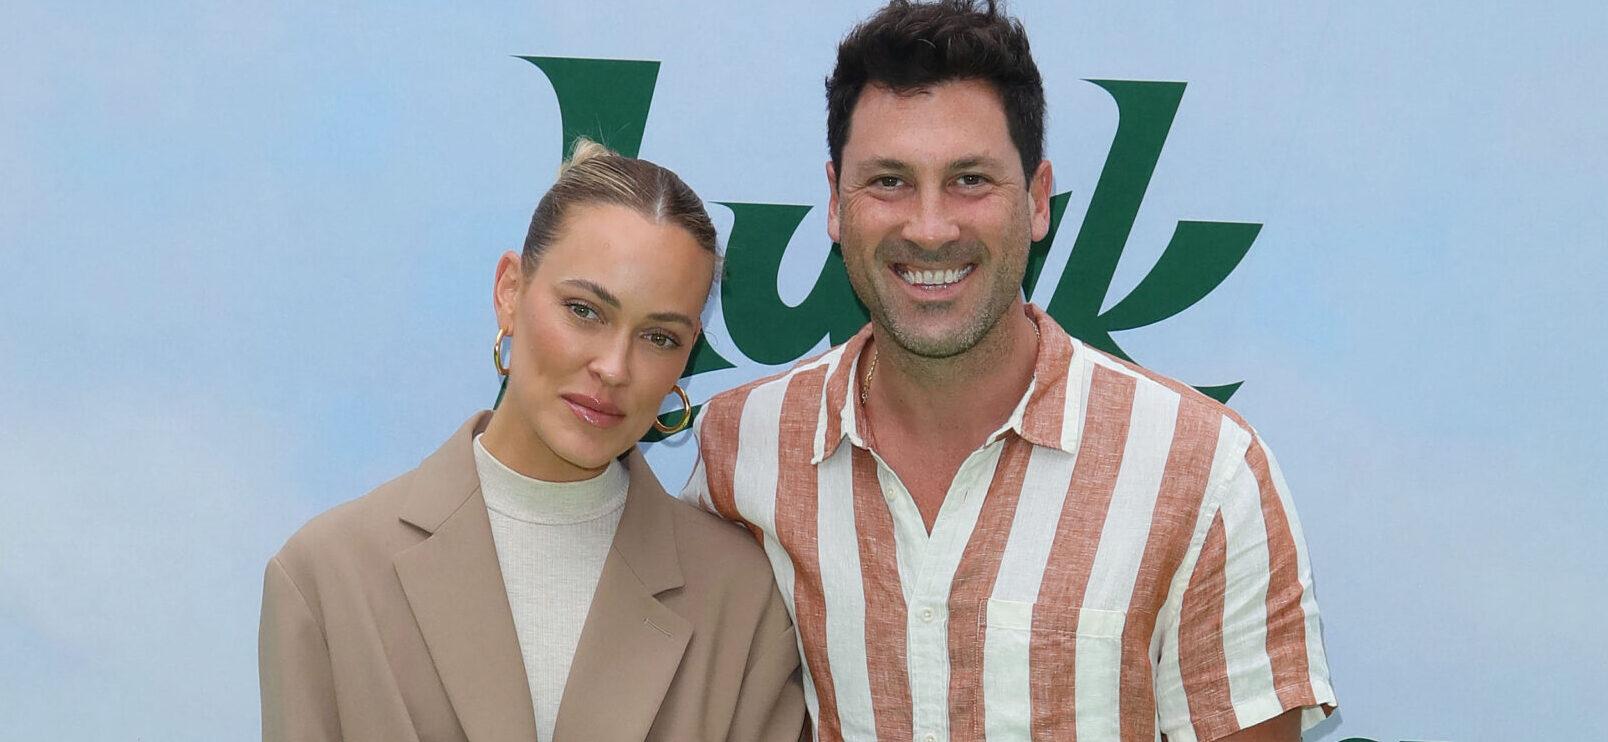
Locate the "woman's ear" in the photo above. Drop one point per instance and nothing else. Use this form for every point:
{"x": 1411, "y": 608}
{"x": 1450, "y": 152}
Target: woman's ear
{"x": 506, "y": 286}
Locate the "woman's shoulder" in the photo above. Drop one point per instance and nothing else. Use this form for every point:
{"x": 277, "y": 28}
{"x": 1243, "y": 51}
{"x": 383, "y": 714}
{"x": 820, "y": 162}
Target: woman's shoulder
{"x": 715, "y": 545}
{"x": 704, "y": 541}
{"x": 398, "y": 513}
{"x": 356, "y": 532}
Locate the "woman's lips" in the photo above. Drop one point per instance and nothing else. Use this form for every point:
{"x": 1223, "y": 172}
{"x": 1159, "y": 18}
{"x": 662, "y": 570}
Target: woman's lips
{"x": 594, "y": 410}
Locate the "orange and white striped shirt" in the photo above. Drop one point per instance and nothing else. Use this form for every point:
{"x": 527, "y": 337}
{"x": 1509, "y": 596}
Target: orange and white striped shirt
{"x": 1120, "y": 561}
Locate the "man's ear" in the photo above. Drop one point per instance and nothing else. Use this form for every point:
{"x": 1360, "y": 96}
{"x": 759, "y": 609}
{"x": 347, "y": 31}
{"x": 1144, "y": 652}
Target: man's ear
{"x": 832, "y": 226}
{"x": 1038, "y": 193}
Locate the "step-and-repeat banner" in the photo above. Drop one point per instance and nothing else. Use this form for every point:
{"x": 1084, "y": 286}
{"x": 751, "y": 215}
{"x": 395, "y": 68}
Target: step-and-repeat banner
{"x": 248, "y": 252}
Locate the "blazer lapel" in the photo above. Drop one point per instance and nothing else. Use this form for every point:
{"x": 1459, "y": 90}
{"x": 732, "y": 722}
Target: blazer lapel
{"x": 454, "y": 586}
{"x": 631, "y": 644}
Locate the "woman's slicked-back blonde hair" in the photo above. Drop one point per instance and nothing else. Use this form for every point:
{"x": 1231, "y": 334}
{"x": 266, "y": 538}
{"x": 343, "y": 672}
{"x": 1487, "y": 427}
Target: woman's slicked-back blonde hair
{"x": 595, "y": 174}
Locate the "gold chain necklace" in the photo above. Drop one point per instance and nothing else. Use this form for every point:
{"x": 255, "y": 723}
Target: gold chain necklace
{"x": 871, "y": 368}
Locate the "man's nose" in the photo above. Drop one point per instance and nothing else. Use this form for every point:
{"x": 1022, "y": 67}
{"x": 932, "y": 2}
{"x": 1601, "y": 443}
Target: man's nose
{"x": 931, "y": 225}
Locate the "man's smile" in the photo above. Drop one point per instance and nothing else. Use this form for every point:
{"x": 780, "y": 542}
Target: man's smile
{"x": 934, "y": 277}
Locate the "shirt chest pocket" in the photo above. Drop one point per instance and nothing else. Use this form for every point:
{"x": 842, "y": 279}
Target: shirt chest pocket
{"x": 1049, "y": 669}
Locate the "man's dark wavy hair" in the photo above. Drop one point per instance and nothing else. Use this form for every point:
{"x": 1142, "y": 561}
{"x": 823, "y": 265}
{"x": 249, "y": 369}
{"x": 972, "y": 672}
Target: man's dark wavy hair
{"x": 908, "y": 46}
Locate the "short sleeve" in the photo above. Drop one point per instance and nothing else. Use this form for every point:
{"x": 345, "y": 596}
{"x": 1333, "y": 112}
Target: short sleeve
{"x": 1245, "y": 643}
{"x": 696, "y": 491}
{"x": 712, "y": 485}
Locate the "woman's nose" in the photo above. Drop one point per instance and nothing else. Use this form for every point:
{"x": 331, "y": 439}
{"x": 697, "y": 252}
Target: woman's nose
{"x": 611, "y": 363}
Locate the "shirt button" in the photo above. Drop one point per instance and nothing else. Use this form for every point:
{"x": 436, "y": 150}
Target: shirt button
{"x": 930, "y": 737}
{"x": 927, "y": 615}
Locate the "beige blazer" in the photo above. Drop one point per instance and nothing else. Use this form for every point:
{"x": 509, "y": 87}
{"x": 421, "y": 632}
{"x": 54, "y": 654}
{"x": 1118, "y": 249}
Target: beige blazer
{"x": 386, "y": 619}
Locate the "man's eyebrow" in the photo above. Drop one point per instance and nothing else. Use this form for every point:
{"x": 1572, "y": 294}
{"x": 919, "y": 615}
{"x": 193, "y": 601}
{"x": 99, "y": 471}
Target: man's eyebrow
{"x": 602, "y": 293}
{"x": 885, "y": 163}
{"x": 974, "y": 161}
{"x": 966, "y": 162}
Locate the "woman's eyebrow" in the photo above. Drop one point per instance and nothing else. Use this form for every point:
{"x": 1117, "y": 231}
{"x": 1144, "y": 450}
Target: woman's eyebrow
{"x": 602, "y": 293}
{"x": 608, "y": 297}
{"x": 673, "y": 317}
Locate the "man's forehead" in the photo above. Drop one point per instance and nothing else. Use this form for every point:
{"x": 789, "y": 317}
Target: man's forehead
{"x": 967, "y": 127}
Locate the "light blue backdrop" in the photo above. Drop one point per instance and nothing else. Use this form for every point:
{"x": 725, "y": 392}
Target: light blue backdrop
{"x": 246, "y": 254}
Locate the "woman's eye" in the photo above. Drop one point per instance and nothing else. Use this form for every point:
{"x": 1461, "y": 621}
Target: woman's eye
{"x": 581, "y": 310}
{"x": 662, "y": 340}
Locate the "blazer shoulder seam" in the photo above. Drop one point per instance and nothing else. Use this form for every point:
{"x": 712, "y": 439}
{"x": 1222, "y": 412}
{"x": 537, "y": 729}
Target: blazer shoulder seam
{"x": 301, "y": 597}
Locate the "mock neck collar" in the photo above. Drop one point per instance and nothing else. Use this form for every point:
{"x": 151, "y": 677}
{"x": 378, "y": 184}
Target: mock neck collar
{"x": 554, "y": 503}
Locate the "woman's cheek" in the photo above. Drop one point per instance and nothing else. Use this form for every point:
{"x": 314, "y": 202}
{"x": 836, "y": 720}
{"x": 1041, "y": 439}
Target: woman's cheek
{"x": 562, "y": 345}
{"x": 662, "y": 375}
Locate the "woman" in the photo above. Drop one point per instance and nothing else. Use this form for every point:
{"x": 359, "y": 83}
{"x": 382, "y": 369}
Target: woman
{"x": 531, "y": 579}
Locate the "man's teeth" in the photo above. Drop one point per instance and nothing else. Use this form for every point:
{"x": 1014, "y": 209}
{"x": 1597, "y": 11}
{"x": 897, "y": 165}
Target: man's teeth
{"x": 935, "y": 277}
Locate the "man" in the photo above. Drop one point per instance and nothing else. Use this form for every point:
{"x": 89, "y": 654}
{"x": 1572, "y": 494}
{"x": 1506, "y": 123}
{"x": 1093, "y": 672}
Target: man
{"x": 985, "y": 528}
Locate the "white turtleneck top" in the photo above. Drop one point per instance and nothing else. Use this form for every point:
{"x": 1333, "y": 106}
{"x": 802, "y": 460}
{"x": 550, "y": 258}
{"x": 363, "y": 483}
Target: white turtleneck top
{"x": 551, "y": 539}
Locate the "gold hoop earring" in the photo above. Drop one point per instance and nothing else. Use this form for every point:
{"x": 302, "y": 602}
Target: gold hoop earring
{"x": 686, "y": 414}
{"x": 497, "y": 352}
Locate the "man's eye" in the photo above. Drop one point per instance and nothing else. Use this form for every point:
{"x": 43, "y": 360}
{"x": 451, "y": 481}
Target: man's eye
{"x": 971, "y": 180}
{"x": 889, "y": 181}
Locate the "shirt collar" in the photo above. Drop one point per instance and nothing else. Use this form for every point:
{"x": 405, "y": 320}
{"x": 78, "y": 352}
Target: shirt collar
{"x": 1042, "y": 417}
